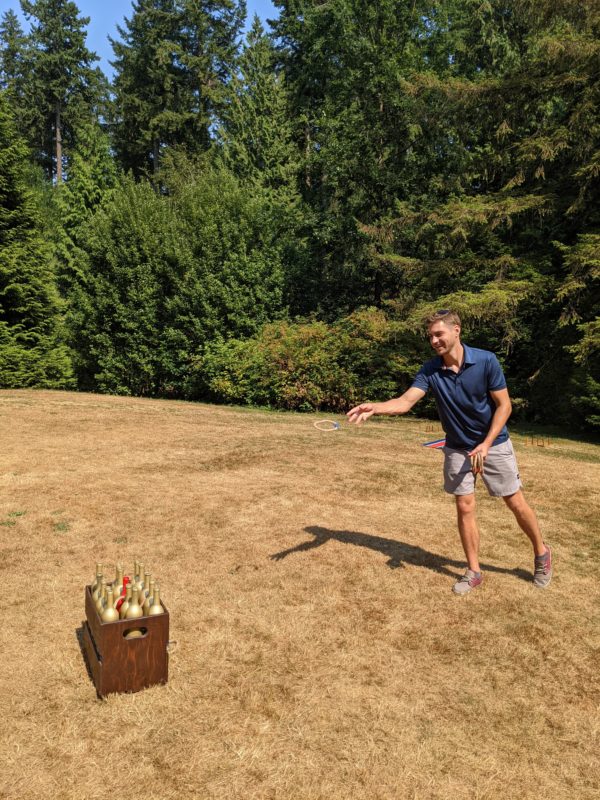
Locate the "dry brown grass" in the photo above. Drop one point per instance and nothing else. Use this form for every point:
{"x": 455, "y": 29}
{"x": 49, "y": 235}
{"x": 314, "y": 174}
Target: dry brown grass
{"x": 321, "y": 654}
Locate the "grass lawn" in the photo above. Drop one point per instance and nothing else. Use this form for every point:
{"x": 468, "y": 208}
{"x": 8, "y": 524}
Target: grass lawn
{"x": 319, "y": 651}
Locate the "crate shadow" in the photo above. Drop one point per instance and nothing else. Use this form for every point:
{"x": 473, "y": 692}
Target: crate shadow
{"x": 79, "y": 637}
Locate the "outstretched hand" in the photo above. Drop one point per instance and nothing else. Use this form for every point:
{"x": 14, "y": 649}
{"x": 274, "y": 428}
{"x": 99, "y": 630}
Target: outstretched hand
{"x": 361, "y": 413}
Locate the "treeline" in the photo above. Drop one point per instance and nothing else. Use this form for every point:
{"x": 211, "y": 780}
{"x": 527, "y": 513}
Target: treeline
{"x": 267, "y": 219}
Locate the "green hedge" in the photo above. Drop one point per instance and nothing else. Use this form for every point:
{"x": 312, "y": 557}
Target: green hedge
{"x": 310, "y": 365}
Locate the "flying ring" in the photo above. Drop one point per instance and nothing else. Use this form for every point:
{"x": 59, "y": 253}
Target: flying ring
{"x": 331, "y": 425}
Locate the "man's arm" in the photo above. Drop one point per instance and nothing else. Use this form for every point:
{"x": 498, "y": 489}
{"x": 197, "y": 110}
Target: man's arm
{"x": 399, "y": 405}
{"x": 499, "y": 420}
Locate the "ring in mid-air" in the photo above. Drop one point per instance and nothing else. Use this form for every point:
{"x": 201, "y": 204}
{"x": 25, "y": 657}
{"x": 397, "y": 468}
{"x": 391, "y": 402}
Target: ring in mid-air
{"x": 327, "y": 425}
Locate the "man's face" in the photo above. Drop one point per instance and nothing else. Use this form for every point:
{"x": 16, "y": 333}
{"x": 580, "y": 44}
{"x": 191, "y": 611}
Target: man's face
{"x": 443, "y": 337}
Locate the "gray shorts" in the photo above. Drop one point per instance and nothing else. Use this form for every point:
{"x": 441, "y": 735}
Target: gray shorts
{"x": 500, "y": 474}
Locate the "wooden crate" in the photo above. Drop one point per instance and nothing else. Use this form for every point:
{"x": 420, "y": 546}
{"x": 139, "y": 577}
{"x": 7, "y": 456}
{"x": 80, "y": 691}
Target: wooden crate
{"x": 118, "y": 664}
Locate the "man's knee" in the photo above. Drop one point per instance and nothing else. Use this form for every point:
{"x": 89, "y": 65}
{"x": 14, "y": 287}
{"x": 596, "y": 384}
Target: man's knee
{"x": 516, "y": 502}
{"x": 465, "y": 503}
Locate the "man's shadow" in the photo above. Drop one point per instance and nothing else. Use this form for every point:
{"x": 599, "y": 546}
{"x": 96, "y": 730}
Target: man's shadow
{"x": 399, "y": 553}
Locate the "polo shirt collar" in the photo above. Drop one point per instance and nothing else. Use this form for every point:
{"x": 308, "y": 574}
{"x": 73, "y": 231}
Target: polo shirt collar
{"x": 468, "y": 358}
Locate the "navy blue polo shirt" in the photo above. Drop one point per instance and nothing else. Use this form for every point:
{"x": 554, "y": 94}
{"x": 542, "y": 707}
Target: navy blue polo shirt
{"x": 463, "y": 398}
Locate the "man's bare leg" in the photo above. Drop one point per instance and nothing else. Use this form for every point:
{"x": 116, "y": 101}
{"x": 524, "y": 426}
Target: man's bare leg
{"x": 527, "y": 520}
{"x": 467, "y": 527}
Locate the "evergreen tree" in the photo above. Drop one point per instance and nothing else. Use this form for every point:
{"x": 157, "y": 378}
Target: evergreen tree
{"x": 12, "y": 58}
{"x": 32, "y": 352}
{"x": 579, "y": 295}
{"x": 349, "y": 68}
{"x": 115, "y": 302}
{"x": 167, "y": 274}
{"x": 258, "y": 146}
{"x": 256, "y": 131}
{"x": 92, "y": 175}
{"x": 62, "y": 89}
{"x": 209, "y": 46}
{"x": 171, "y": 66}
{"x": 543, "y": 142}
{"x": 148, "y": 105}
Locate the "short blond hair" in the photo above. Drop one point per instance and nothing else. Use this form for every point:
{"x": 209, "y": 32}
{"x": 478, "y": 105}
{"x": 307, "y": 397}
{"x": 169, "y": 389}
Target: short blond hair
{"x": 446, "y": 315}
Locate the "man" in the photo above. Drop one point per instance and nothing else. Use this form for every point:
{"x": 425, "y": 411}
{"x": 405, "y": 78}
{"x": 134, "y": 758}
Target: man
{"x": 474, "y": 406}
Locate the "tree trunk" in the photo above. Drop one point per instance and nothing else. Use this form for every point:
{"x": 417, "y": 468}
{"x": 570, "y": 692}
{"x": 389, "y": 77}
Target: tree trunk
{"x": 155, "y": 156}
{"x": 307, "y": 146}
{"x": 58, "y": 130}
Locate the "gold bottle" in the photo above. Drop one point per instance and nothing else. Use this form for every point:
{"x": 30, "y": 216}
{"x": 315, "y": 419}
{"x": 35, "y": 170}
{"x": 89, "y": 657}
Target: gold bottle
{"x": 134, "y": 633}
{"x": 147, "y": 579}
{"x": 109, "y": 614}
{"x": 96, "y": 590}
{"x": 117, "y": 584}
{"x": 96, "y": 582}
{"x": 105, "y": 588}
{"x": 138, "y": 579}
{"x": 156, "y": 607}
{"x": 126, "y": 602}
{"x": 100, "y": 601}
{"x": 134, "y": 610}
{"x": 149, "y": 597}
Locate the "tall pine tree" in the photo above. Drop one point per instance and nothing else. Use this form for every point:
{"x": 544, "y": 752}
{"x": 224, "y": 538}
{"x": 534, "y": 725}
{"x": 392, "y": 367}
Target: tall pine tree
{"x": 148, "y": 101}
{"x": 13, "y": 43}
{"x": 256, "y": 130}
{"x": 257, "y": 144}
{"x": 171, "y": 66}
{"x": 32, "y": 349}
{"x": 92, "y": 175}
{"x": 62, "y": 89}
{"x": 209, "y": 46}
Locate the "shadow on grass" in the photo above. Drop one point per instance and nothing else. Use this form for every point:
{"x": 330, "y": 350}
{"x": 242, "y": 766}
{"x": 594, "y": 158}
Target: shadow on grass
{"x": 79, "y": 635}
{"x": 399, "y": 553}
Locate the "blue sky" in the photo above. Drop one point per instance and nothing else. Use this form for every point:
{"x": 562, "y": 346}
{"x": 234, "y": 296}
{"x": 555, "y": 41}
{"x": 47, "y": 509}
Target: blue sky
{"x": 105, "y": 15}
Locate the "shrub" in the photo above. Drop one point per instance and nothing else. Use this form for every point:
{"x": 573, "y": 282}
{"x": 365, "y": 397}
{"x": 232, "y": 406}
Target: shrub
{"x": 166, "y": 274}
{"x": 308, "y": 365}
